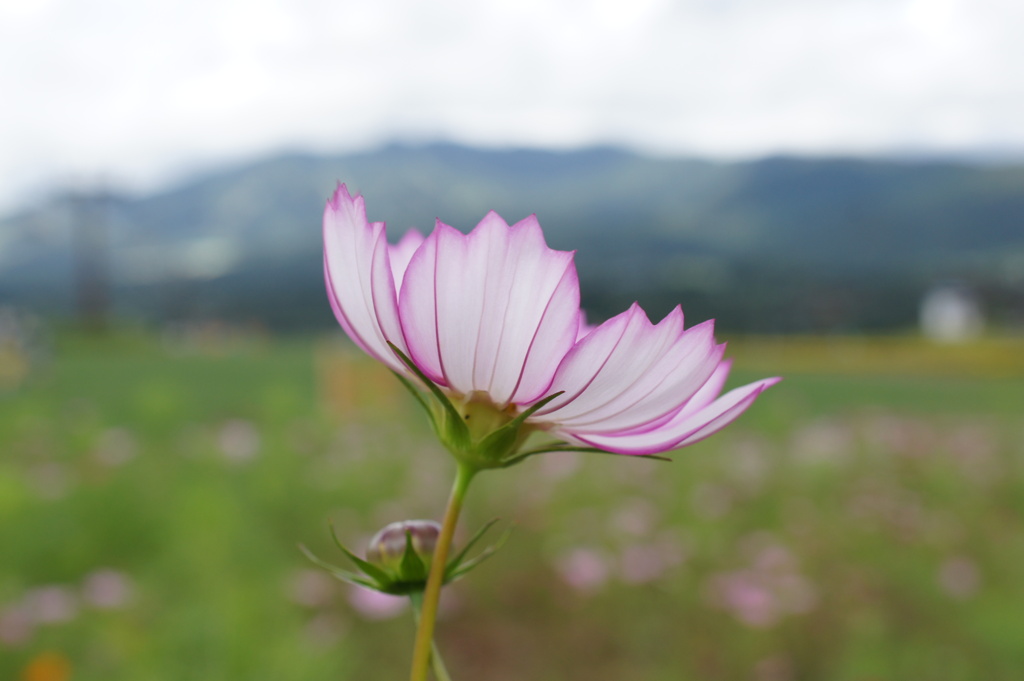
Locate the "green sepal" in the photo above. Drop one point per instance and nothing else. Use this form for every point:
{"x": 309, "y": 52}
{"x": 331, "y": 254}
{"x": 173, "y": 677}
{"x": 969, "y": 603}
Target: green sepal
{"x": 507, "y": 437}
{"x": 454, "y": 563}
{"x": 456, "y": 570}
{"x": 563, "y": 447}
{"x": 410, "y": 576}
{"x": 370, "y": 569}
{"x": 339, "y": 573}
{"x": 413, "y": 568}
{"x": 415, "y": 392}
{"x": 413, "y": 571}
{"x": 452, "y": 430}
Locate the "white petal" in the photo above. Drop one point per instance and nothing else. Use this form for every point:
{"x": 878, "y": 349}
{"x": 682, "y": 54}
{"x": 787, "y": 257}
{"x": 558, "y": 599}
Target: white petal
{"x": 417, "y": 309}
{"x": 401, "y": 253}
{"x": 360, "y": 283}
{"x": 711, "y": 389}
{"x": 628, "y": 373}
{"x": 687, "y": 427}
{"x": 493, "y": 311}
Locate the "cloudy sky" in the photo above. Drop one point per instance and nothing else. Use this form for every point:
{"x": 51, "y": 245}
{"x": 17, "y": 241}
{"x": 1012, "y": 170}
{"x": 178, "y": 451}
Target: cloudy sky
{"x": 135, "y": 93}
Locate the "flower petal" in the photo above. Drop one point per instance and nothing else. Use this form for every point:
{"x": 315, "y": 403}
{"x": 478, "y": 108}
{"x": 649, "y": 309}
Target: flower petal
{"x": 629, "y": 374}
{"x": 687, "y": 427}
{"x": 711, "y": 389}
{"x": 725, "y": 410}
{"x": 401, "y": 253}
{"x": 359, "y": 277}
{"x": 493, "y": 311}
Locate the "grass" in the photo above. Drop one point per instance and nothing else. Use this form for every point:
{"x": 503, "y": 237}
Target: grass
{"x": 865, "y": 520}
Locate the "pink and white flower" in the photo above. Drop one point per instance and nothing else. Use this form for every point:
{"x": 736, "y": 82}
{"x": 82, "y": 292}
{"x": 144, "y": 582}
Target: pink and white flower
{"x": 493, "y": 319}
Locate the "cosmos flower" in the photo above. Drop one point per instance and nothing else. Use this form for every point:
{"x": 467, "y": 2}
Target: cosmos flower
{"x": 491, "y": 322}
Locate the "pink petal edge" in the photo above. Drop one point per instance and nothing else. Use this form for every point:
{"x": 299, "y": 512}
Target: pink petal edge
{"x": 359, "y": 278}
{"x": 686, "y": 430}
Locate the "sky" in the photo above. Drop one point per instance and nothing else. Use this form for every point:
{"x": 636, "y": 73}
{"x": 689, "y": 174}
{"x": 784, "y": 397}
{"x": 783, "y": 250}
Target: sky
{"x": 135, "y": 94}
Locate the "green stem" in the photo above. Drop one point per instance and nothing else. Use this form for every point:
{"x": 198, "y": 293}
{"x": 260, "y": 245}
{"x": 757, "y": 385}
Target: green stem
{"x": 435, "y": 580}
{"x": 436, "y": 662}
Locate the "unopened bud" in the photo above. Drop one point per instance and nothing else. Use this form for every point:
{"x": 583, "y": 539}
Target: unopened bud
{"x": 399, "y": 557}
{"x": 388, "y": 549}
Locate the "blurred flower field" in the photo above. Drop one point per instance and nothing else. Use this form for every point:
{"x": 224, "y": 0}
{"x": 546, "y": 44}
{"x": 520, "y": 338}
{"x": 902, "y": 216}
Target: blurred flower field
{"x": 864, "y": 521}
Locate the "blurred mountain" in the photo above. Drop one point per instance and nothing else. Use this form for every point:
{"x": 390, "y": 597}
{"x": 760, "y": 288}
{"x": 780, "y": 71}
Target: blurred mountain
{"x": 780, "y": 244}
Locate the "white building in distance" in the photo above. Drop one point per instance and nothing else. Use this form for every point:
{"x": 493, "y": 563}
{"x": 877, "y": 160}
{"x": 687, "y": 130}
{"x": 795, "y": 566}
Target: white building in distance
{"x": 951, "y": 314}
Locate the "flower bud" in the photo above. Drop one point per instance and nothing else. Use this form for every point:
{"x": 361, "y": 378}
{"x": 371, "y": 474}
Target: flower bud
{"x": 399, "y": 557}
{"x": 404, "y": 549}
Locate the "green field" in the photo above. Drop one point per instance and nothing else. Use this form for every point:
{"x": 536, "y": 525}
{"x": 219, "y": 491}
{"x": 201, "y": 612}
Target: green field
{"x": 864, "y": 521}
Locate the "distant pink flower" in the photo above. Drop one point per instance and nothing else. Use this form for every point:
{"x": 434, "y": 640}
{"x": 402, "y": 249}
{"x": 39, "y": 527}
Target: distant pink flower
{"x": 493, "y": 318}
{"x": 584, "y": 569}
{"x": 959, "y": 577}
{"x": 51, "y": 604}
{"x": 16, "y": 626}
{"x": 766, "y": 591}
{"x": 107, "y": 589}
{"x": 375, "y": 605}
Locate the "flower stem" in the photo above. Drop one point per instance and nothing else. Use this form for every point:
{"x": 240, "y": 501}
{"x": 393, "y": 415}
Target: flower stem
{"x": 435, "y": 580}
{"x": 436, "y": 661}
